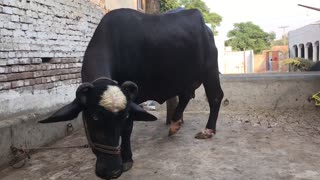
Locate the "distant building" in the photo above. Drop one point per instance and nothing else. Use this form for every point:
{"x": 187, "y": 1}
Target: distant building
{"x": 236, "y": 62}
{"x": 304, "y": 42}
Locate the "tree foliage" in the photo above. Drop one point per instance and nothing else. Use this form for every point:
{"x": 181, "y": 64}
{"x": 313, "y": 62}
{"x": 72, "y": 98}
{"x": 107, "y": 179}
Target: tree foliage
{"x": 166, "y": 5}
{"x": 247, "y": 35}
{"x": 213, "y": 19}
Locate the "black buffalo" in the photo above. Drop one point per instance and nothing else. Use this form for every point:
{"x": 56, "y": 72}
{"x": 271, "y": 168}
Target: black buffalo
{"x": 133, "y": 57}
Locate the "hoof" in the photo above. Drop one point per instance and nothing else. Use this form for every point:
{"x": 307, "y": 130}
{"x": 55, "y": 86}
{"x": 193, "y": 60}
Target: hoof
{"x": 174, "y": 127}
{"x": 127, "y": 166}
{"x": 205, "y": 134}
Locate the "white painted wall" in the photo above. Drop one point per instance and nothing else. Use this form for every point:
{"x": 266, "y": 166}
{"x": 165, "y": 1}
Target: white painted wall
{"x": 304, "y": 35}
{"x": 219, "y": 40}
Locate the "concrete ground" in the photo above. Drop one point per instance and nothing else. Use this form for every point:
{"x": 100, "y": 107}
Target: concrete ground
{"x": 253, "y": 145}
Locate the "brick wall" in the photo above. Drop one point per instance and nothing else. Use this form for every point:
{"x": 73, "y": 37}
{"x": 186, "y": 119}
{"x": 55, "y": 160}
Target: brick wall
{"x": 42, "y": 41}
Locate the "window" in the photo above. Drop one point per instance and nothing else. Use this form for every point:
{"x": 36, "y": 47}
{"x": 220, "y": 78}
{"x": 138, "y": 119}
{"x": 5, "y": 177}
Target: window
{"x": 140, "y": 5}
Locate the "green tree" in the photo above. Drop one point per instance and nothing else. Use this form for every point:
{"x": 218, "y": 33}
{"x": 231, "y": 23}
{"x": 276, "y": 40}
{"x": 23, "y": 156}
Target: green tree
{"x": 166, "y": 5}
{"x": 212, "y": 18}
{"x": 247, "y": 35}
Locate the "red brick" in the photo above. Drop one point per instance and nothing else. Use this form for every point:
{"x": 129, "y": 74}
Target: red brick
{"x": 37, "y": 73}
{"x": 32, "y": 81}
{"x": 71, "y": 76}
{"x": 55, "y": 78}
{"x": 43, "y": 86}
{"x": 69, "y": 60}
{"x": 44, "y": 67}
{"x": 58, "y": 66}
{"x": 64, "y": 77}
{"x": 28, "y": 75}
{"x": 18, "y": 76}
{"x": 36, "y": 61}
{"x": 75, "y": 70}
{"x": 15, "y": 69}
{"x": 38, "y": 67}
{"x": 39, "y": 87}
{"x": 46, "y": 73}
{"x": 22, "y": 68}
{"x": 16, "y": 84}
{"x": 14, "y": 76}
{"x": 27, "y": 82}
{"x": 38, "y": 81}
{"x": 3, "y": 78}
{"x": 64, "y": 71}
{"x": 5, "y": 70}
{"x": 51, "y": 66}
{"x": 31, "y": 68}
{"x": 55, "y": 60}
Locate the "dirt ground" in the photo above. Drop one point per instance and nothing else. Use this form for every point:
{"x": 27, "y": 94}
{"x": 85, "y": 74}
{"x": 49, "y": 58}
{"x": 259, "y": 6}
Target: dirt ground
{"x": 247, "y": 146}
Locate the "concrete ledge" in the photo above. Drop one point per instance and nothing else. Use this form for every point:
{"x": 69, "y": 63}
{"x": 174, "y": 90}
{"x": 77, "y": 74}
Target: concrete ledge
{"x": 267, "y": 91}
{"x": 270, "y": 91}
{"x": 270, "y": 76}
{"x": 15, "y": 103}
{"x": 25, "y": 132}
{"x": 20, "y": 112}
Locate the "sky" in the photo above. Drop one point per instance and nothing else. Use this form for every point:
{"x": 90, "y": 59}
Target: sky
{"x": 268, "y": 14}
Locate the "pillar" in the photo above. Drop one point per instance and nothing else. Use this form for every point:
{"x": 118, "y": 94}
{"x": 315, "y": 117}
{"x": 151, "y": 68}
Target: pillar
{"x": 315, "y": 50}
{"x": 306, "y": 52}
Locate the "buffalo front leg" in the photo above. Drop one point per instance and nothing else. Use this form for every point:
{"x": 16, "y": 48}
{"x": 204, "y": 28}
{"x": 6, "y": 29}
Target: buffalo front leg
{"x": 126, "y": 153}
{"x": 214, "y": 94}
{"x": 176, "y": 121}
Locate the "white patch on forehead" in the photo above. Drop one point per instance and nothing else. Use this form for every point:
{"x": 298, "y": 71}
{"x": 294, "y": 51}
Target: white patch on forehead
{"x": 113, "y": 99}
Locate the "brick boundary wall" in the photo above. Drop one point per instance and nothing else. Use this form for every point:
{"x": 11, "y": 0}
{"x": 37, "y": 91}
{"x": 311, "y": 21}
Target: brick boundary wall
{"x": 42, "y": 43}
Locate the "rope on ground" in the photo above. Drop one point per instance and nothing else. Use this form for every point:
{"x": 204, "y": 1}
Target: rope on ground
{"x": 20, "y": 155}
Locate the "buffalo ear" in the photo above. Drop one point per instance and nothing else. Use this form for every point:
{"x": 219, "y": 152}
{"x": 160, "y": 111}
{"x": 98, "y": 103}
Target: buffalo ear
{"x": 66, "y": 113}
{"x": 130, "y": 89}
{"x": 82, "y": 92}
{"x": 137, "y": 113}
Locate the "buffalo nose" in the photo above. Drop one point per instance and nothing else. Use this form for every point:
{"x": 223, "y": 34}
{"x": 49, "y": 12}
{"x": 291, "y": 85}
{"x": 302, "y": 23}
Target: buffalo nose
{"x": 116, "y": 174}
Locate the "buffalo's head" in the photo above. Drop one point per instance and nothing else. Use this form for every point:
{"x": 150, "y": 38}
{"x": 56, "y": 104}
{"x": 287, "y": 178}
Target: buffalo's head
{"x": 107, "y": 107}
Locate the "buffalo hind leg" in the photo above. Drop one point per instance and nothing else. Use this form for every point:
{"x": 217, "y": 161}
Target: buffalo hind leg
{"x": 126, "y": 153}
{"x": 176, "y": 122}
{"x": 214, "y": 94}
{"x": 171, "y": 107}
